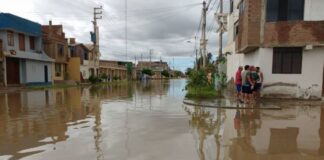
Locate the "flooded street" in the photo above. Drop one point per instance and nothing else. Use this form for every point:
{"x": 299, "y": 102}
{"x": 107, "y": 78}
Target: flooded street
{"x": 149, "y": 122}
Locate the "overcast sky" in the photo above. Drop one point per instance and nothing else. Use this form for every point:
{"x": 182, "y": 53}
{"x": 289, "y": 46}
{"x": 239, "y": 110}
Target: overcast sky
{"x": 165, "y": 26}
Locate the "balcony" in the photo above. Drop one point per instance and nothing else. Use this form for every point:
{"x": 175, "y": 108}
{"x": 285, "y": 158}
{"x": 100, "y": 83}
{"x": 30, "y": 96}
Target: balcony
{"x": 248, "y": 38}
{"x": 293, "y": 33}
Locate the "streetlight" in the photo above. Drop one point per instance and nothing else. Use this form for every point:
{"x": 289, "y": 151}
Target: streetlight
{"x": 196, "y": 51}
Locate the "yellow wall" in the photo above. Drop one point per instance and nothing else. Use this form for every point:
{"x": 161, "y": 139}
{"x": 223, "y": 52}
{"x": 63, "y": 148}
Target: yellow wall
{"x": 73, "y": 69}
{"x": 60, "y": 78}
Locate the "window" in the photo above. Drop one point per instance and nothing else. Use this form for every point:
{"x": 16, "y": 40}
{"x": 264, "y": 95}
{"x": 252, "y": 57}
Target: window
{"x": 32, "y": 43}
{"x": 242, "y": 6}
{"x": 21, "y": 42}
{"x": 60, "y": 49}
{"x": 58, "y": 70}
{"x": 72, "y": 52}
{"x": 236, "y": 29}
{"x": 10, "y": 36}
{"x": 86, "y": 55}
{"x": 285, "y": 10}
{"x": 287, "y": 60}
{"x": 231, "y": 6}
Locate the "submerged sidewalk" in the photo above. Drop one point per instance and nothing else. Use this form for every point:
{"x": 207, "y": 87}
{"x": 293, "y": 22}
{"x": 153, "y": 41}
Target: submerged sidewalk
{"x": 229, "y": 102}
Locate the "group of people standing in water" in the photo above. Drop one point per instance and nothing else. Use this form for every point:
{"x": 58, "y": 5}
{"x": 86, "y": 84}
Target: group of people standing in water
{"x": 248, "y": 83}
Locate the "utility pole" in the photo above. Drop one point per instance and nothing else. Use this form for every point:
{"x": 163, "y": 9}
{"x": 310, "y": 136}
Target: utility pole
{"x": 203, "y": 41}
{"x": 173, "y": 64}
{"x": 141, "y": 62}
{"x": 97, "y": 12}
{"x": 197, "y": 59}
{"x": 126, "y": 30}
{"x": 196, "y": 50}
{"x": 151, "y": 50}
{"x": 221, "y": 28}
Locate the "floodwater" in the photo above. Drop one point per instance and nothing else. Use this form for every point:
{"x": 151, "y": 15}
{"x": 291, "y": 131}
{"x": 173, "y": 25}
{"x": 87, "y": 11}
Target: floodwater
{"x": 149, "y": 122}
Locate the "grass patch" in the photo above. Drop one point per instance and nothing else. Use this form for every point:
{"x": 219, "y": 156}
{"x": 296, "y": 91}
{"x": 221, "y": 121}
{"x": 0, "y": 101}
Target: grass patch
{"x": 202, "y": 93}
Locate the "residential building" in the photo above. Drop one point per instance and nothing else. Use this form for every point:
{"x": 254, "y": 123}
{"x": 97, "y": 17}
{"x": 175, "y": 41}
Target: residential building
{"x": 80, "y": 51}
{"x": 113, "y": 69}
{"x": 1, "y": 65}
{"x": 56, "y": 47}
{"x": 157, "y": 67}
{"x": 24, "y": 60}
{"x": 92, "y": 63}
{"x": 285, "y": 38}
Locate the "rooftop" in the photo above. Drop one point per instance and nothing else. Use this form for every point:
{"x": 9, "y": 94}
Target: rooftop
{"x": 12, "y": 22}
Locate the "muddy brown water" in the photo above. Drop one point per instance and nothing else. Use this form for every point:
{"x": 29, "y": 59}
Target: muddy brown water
{"x": 149, "y": 122}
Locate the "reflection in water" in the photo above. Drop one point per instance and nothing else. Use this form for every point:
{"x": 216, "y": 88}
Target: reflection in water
{"x": 144, "y": 121}
{"x": 206, "y": 123}
{"x": 246, "y": 134}
{"x": 39, "y": 118}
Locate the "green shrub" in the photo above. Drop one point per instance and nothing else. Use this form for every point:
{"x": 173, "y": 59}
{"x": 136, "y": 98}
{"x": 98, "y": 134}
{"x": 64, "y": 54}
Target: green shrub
{"x": 103, "y": 77}
{"x": 197, "y": 78}
{"x": 165, "y": 73}
{"x": 94, "y": 79}
{"x": 148, "y": 72}
{"x": 198, "y": 85}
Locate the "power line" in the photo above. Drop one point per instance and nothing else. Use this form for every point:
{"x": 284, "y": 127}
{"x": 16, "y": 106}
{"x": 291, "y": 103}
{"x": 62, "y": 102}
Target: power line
{"x": 126, "y": 31}
{"x": 212, "y": 7}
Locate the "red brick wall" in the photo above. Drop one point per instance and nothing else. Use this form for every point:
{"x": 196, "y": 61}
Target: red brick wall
{"x": 293, "y": 33}
{"x": 249, "y": 27}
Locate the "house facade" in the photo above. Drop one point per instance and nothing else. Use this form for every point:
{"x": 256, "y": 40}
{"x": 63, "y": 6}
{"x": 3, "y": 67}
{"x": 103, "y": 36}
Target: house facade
{"x": 157, "y": 67}
{"x": 1, "y": 65}
{"x": 113, "y": 69}
{"x": 24, "y": 61}
{"x": 285, "y": 39}
{"x": 80, "y": 51}
{"x": 56, "y": 46}
{"x": 92, "y": 64}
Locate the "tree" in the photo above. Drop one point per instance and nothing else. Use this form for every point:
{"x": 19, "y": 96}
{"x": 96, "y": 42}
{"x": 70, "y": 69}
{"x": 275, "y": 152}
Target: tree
{"x": 188, "y": 71}
{"x": 209, "y": 58}
{"x": 165, "y": 73}
{"x": 148, "y": 72}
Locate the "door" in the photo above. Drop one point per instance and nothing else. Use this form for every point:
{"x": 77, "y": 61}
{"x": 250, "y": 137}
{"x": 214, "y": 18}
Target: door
{"x": 12, "y": 65}
{"x": 46, "y": 74}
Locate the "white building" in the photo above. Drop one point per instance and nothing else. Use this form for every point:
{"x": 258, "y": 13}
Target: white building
{"x": 285, "y": 40}
{"x": 24, "y": 61}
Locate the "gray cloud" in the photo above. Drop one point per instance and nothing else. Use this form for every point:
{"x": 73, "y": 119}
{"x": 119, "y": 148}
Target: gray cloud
{"x": 164, "y": 26}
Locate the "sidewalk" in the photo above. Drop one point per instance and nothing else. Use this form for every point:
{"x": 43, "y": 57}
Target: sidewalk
{"x": 229, "y": 102}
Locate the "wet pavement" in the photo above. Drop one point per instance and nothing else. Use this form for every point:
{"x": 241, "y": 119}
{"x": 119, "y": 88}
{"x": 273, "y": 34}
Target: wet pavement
{"x": 150, "y": 122}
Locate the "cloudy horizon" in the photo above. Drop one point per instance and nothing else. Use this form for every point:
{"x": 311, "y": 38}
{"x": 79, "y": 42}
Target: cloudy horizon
{"x": 166, "y": 28}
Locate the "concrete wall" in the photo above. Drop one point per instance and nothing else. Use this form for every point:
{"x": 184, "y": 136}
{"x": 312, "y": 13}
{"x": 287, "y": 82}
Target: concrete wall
{"x": 307, "y": 85}
{"x": 234, "y": 60}
{"x": 4, "y": 37}
{"x": 73, "y": 69}
{"x": 85, "y": 71}
{"x": 314, "y": 10}
{"x": 32, "y": 72}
